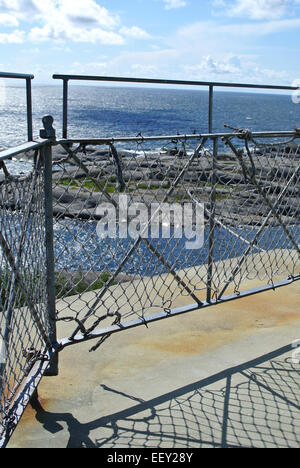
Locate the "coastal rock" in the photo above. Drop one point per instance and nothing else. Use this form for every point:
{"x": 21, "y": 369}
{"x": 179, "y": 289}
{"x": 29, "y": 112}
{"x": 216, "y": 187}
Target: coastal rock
{"x": 148, "y": 175}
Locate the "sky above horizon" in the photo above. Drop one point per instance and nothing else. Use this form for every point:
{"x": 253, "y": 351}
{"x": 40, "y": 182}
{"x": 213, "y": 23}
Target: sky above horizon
{"x": 210, "y": 40}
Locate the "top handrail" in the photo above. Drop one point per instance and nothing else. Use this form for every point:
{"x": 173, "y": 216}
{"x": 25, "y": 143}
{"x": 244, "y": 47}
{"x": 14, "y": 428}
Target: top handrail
{"x": 15, "y": 151}
{"x": 170, "y": 82}
{"x": 16, "y": 76}
{"x": 183, "y": 137}
{"x": 210, "y": 84}
{"x": 34, "y": 145}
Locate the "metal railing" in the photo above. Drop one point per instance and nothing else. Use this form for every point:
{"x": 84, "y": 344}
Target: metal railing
{"x": 250, "y": 243}
{"x": 211, "y": 85}
{"x": 251, "y": 229}
{"x": 28, "y": 79}
{"x": 54, "y": 265}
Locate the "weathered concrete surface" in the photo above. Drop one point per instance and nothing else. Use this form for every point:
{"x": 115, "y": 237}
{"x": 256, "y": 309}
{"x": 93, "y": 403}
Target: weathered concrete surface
{"x": 174, "y": 385}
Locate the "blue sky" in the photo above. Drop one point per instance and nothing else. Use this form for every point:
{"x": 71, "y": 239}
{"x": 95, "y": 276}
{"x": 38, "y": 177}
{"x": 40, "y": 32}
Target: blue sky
{"x": 240, "y": 40}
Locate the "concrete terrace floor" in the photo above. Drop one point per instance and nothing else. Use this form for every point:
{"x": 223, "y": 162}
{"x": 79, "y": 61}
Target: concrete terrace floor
{"x": 219, "y": 377}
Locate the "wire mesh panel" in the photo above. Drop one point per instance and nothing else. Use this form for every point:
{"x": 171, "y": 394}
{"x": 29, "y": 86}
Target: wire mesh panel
{"x": 125, "y": 232}
{"x": 24, "y": 324}
{"x": 143, "y": 225}
{"x": 259, "y": 195}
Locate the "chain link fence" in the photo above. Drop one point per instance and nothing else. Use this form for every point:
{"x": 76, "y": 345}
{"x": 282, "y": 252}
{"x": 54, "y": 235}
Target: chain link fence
{"x": 188, "y": 219}
{"x": 116, "y": 233}
{"x": 110, "y": 234}
{"x": 24, "y": 319}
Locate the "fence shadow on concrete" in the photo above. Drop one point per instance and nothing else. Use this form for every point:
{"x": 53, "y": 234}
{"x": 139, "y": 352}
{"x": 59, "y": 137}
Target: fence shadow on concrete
{"x": 255, "y": 404}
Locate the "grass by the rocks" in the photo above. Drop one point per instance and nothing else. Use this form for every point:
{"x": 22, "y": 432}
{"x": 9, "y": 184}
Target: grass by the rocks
{"x": 107, "y": 185}
{"x": 89, "y": 184}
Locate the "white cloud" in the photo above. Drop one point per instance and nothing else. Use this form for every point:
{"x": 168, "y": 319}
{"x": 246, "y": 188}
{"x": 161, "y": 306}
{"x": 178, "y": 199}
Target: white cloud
{"x": 59, "y": 32}
{"x": 68, "y": 20}
{"x": 8, "y": 20}
{"x": 263, "y": 28}
{"x": 172, "y": 4}
{"x": 234, "y": 69}
{"x": 176, "y": 63}
{"x": 77, "y": 21}
{"x": 80, "y": 13}
{"x": 217, "y": 34}
{"x": 16, "y": 37}
{"x": 134, "y": 32}
{"x": 212, "y": 66}
{"x": 19, "y": 9}
{"x": 256, "y": 9}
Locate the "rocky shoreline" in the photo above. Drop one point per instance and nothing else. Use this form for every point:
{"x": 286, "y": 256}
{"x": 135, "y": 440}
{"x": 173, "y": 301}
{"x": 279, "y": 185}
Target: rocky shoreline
{"x": 148, "y": 176}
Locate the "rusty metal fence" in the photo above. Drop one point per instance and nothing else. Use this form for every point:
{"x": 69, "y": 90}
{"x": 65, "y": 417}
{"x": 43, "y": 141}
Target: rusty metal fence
{"x": 116, "y": 233}
{"x": 236, "y": 192}
{"x": 27, "y": 328}
{"x": 243, "y": 187}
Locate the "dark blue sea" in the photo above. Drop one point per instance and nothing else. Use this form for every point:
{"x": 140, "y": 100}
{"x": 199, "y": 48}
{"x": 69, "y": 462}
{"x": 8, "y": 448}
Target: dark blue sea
{"x": 96, "y": 111}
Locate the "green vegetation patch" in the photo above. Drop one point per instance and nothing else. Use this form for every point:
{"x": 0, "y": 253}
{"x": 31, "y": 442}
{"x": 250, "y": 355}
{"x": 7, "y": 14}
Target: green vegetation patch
{"x": 89, "y": 184}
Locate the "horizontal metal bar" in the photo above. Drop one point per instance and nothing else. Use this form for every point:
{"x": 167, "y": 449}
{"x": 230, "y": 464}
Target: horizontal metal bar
{"x": 16, "y": 76}
{"x": 24, "y": 394}
{"x": 79, "y": 338}
{"x": 10, "y": 152}
{"x": 169, "y": 82}
{"x": 105, "y": 141}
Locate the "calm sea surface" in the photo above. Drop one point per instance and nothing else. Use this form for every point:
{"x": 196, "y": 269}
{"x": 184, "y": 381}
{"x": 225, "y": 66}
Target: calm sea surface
{"x": 110, "y": 112}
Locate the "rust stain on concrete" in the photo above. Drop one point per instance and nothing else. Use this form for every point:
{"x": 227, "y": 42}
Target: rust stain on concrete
{"x": 29, "y": 415}
{"x": 200, "y": 331}
{"x": 226, "y": 323}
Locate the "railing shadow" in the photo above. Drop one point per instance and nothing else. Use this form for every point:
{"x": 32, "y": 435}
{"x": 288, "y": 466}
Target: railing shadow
{"x": 255, "y": 404}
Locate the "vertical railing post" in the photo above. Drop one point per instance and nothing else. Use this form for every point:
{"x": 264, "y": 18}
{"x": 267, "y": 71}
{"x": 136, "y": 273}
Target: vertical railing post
{"x": 65, "y": 108}
{"x": 49, "y": 132}
{"x": 212, "y": 224}
{"x": 29, "y": 110}
{"x": 210, "y": 109}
